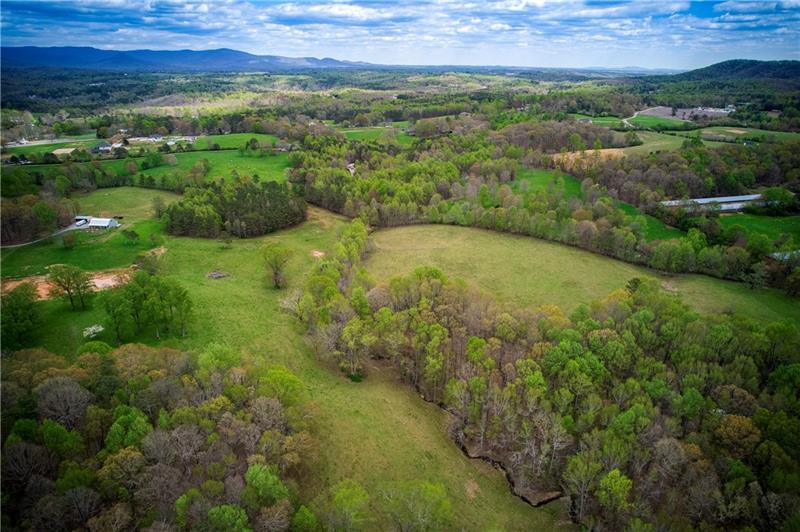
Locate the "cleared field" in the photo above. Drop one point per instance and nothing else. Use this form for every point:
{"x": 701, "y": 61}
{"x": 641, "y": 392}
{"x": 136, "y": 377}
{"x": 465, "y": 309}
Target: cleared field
{"x": 750, "y": 133}
{"x": 528, "y": 271}
{"x": 375, "y": 431}
{"x": 82, "y": 141}
{"x": 648, "y": 121}
{"x": 234, "y": 140}
{"x": 655, "y": 229}
{"x": 374, "y": 133}
{"x": 540, "y": 179}
{"x": 223, "y": 163}
{"x": 605, "y": 121}
{"x": 772, "y": 226}
{"x": 132, "y": 203}
{"x": 93, "y": 250}
{"x": 653, "y": 142}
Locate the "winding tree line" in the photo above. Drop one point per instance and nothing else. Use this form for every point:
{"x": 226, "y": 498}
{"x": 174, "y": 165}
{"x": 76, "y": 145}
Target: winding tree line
{"x": 643, "y": 412}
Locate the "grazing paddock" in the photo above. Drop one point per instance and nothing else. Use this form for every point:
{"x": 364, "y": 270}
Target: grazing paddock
{"x": 772, "y": 226}
{"x": 233, "y": 140}
{"x": 538, "y": 179}
{"x": 132, "y": 203}
{"x": 93, "y": 250}
{"x": 649, "y": 121}
{"x": 604, "y": 121}
{"x": 375, "y": 431}
{"x": 527, "y": 271}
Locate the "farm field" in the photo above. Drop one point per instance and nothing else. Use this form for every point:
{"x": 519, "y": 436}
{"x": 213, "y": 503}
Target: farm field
{"x": 772, "y": 226}
{"x": 653, "y": 142}
{"x": 222, "y": 165}
{"x": 650, "y": 121}
{"x": 655, "y": 229}
{"x": 133, "y": 203}
{"x": 540, "y": 179}
{"x": 376, "y": 431}
{"x": 374, "y": 133}
{"x": 527, "y": 271}
{"x": 233, "y": 140}
{"x": 605, "y": 121}
{"x": 747, "y": 133}
{"x": 95, "y": 250}
{"x": 81, "y": 141}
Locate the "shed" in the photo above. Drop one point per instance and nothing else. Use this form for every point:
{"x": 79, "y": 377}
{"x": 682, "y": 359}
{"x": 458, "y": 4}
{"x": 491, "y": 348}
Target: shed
{"x": 103, "y": 223}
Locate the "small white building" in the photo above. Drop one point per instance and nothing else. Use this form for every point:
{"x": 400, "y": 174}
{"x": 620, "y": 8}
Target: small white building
{"x": 103, "y": 223}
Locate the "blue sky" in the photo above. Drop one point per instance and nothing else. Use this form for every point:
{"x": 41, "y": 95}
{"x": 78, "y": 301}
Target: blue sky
{"x": 550, "y": 33}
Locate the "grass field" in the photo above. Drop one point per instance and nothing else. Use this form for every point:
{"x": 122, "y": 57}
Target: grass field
{"x": 605, "y": 121}
{"x": 655, "y": 229}
{"x": 223, "y": 163}
{"x": 750, "y": 133}
{"x": 375, "y": 431}
{"x": 95, "y": 250}
{"x": 527, "y": 271}
{"x": 648, "y": 121}
{"x": 374, "y": 133}
{"x": 653, "y": 142}
{"x": 100, "y": 250}
{"x": 540, "y": 179}
{"x": 81, "y": 141}
{"x": 233, "y": 140}
{"x": 772, "y": 226}
{"x": 133, "y": 203}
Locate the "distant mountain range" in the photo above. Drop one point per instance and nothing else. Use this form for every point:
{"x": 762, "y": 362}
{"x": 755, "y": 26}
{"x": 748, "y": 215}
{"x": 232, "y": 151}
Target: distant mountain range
{"x": 222, "y": 59}
{"x": 227, "y": 60}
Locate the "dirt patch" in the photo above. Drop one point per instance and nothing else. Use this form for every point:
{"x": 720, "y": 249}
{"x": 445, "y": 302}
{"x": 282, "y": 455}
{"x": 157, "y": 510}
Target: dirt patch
{"x": 736, "y": 131}
{"x": 571, "y": 157}
{"x": 471, "y": 488}
{"x": 160, "y": 250}
{"x": 100, "y": 280}
{"x": 317, "y": 254}
{"x": 667, "y": 286}
{"x": 216, "y": 274}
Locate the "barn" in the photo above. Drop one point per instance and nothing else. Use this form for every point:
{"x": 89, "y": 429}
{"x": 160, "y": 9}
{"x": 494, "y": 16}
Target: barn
{"x": 103, "y": 223}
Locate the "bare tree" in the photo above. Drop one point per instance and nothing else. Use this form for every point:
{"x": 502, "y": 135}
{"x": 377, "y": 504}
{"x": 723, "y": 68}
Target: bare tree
{"x": 63, "y": 400}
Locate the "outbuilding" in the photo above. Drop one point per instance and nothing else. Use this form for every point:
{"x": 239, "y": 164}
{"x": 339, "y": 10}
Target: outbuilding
{"x": 103, "y": 223}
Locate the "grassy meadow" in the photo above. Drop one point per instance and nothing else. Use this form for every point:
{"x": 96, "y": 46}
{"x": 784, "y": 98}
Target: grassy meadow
{"x": 605, "y": 121}
{"x": 648, "y": 121}
{"x": 375, "y": 431}
{"x": 232, "y": 140}
{"x": 374, "y": 133}
{"x": 772, "y": 226}
{"x": 95, "y": 250}
{"x": 527, "y": 271}
{"x": 81, "y": 141}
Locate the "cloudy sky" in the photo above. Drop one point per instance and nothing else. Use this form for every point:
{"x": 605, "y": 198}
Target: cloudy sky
{"x": 574, "y": 33}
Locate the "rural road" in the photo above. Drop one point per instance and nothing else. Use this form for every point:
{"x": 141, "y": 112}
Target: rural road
{"x": 628, "y": 124}
{"x": 71, "y": 227}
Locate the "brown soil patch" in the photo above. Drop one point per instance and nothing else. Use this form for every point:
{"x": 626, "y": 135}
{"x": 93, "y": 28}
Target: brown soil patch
{"x": 101, "y": 281}
{"x": 667, "y": 286}
{"x": 317, "y": 254}
{"x": 160, "y": 250}
{"x": 472, "y": 489}
{"x": 736, "y": 131}
{"x": 571, "y": 156}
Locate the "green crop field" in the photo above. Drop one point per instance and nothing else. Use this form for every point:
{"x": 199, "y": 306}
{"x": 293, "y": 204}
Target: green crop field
{"x": 605, "y": 121}
{"x": 648, "y": 121}
{"x": 233, "y": 140}
{"x": 527, "y": 271}
{"x": 653, "y": 142}
{"x": 772, "y": 226}
{"x": 376, "y": 431}
{"x": 750, "y": 133}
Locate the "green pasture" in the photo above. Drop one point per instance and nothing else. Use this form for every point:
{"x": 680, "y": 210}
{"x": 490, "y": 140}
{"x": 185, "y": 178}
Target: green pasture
{"x": 772, "y": 226}
{"x": 232, "y": 140}
{"x": 526, "y": 271}
{"x": 604, "y": 121}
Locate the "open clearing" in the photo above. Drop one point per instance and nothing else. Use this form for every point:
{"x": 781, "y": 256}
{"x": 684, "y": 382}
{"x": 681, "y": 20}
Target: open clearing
{"x": 223, "y": 163}
{"x": 133, "y": 203}
{"x": 527, "y": 271}
{"x": 772, "y": 226}
{"x": 604, "y": 121}
{"x": 100, "y": 280}
{"x": 233, "y": 140}
{"x": 374, "y": 133}
{"x": 375, "y": 431}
